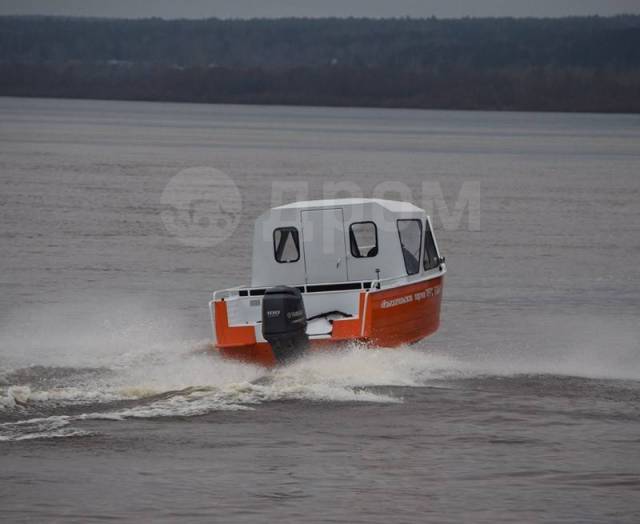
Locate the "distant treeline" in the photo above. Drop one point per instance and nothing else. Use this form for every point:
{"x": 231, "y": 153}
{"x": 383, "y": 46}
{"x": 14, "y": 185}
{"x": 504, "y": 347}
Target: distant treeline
{"x": 571, "y": 64}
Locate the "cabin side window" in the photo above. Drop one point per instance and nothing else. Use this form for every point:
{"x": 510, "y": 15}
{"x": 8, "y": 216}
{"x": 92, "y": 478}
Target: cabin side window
{"x": 431, "y": 257}
{"x": 286, "y": 245}
{"x": 410, "y": 232}
{"x": 363, "y": 239}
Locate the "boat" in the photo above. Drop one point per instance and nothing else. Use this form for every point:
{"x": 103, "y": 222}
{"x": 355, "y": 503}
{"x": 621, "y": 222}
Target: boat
{"x": 329, "y": 272}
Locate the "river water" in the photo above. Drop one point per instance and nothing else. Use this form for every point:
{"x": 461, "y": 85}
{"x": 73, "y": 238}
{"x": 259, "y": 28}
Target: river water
{"x": 524, "y": 407}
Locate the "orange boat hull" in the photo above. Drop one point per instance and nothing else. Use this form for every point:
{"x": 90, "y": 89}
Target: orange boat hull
{"x": 387, "y": 318}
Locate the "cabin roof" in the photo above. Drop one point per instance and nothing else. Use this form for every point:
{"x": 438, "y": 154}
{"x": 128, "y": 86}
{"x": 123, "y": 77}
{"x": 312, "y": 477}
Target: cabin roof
{"x": 392, "y": 205}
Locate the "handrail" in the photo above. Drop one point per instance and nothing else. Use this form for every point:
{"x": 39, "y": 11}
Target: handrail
{"x": 371, "y": 284}
{"x": 224, "y": 293}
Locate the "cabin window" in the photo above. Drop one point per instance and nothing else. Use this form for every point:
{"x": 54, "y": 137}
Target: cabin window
{"x": 363, "y": 238}
{"x": 410, "y": 232}
{"x": 431, "y": 257}
{"x": 286, "y": 245}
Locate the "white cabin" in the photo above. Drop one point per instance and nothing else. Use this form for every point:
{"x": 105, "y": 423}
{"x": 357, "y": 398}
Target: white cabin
{"x": 335, "y": 241}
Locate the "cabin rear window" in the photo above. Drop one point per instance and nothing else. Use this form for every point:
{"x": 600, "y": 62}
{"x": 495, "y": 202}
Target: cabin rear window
{"x": 431, "y": 257}
{"x": 363, "y": 238}
{"x": 410, "y": 232}
{"x": 286, "y": 245}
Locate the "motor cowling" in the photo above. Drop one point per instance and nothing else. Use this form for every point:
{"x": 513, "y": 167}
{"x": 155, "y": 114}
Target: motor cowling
{"x": 284, "y": 322}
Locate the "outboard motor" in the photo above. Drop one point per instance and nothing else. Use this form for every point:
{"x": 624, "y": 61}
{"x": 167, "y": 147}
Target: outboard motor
{"x": 284, "y": 322}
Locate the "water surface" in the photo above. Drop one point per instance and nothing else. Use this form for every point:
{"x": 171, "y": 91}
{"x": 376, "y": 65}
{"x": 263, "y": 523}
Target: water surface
{"x": 523, "y": 407}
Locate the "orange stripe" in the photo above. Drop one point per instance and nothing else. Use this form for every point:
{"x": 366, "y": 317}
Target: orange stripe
{"x": 228, "y": 336}
{"x": 258, "y": 353}
{"x": 404, "y": 314}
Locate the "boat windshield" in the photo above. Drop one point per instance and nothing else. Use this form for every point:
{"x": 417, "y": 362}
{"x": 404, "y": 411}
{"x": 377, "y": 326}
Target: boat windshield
{"x": 431, "y": 257}
{"x": 410, "y": 232}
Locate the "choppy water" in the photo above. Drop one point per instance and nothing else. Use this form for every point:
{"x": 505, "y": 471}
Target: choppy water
{"x": 523, "y": 408}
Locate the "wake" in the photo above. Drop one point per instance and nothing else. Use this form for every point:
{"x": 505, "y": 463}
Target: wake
{"x": 59, "y": 367}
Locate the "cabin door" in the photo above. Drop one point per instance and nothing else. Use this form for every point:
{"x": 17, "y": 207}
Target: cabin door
{"x": 324, "y": 246}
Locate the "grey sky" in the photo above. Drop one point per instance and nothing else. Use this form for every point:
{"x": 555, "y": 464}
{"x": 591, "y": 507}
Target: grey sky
{"x": 277, "y": 8}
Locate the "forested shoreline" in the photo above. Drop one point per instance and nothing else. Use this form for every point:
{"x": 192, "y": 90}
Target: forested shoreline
{"x": 570, "y": 64}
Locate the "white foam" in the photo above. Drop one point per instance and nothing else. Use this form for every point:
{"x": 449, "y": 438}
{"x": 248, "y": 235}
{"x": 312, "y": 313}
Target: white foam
{"x": 163, "y": 374}
{"x": 89, "y": 333}
{"x": 39, "y": 428}
{"x": 359, "y": 366}
{"x": 197, "y": 383}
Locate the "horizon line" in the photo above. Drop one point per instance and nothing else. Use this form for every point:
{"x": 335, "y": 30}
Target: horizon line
{"x": 349, "y": 17}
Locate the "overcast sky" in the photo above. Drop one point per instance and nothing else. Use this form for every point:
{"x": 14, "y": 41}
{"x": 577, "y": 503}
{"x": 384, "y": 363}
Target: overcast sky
{"x": 278, "y": 8}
